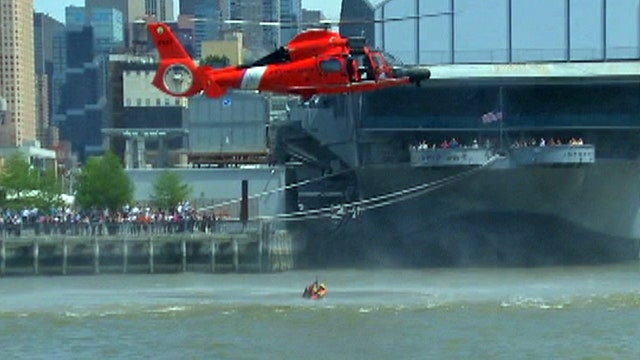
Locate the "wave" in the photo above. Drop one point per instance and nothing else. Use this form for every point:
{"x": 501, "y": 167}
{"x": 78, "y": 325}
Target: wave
{"x": 166, "y": 310}
{"x": 365, "y": 299}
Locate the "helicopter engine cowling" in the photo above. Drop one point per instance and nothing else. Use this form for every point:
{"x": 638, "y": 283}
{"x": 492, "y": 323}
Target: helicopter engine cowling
{"x": 356, "y": 44}
{"x": 178, "y": 78}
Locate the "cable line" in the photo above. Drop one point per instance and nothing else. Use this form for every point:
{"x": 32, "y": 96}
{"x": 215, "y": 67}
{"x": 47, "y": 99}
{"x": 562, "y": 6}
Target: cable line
{"x": 375, "y": 202}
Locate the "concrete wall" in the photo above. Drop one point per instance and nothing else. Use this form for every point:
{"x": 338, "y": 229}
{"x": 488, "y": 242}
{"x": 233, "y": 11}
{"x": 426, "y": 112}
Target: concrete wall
{"x": 213, "y": 186}
{"x": 138, "y": 91}
{"x": 235, "y": 123}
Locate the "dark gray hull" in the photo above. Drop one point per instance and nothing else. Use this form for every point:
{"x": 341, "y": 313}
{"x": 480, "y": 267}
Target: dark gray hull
{"x": 519, "y": 216}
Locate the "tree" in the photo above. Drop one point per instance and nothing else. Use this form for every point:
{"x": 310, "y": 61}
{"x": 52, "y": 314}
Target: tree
{"x": 169, "y": 190}
{"x": 27, "y": 187}
{"x": 49, "y": 191}
{"x": 103, "y": 184}
{"x": 215, "y": 61}
{"x": 17, "y": 180}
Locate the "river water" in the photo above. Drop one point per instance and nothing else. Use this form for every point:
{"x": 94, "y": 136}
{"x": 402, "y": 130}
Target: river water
{"x": 505, "y": 313}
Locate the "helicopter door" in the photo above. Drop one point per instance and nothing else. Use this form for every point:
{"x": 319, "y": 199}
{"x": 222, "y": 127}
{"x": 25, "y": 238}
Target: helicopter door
{"x": 385, "y": 70}
{"x": 333, "y": 68}
{"x": 353, "y": 69}
{"x": 331, "y": 65}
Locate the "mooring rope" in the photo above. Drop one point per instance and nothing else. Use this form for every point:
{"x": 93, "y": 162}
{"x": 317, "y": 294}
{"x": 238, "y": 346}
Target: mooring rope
{"x": 354, "y": 208}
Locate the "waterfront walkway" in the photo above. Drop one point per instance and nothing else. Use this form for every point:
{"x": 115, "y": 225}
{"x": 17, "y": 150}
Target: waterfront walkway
{"x": 62, "y": 248}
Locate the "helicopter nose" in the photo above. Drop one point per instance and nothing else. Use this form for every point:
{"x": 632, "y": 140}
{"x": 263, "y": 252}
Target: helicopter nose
{"x": 418, "y": 74}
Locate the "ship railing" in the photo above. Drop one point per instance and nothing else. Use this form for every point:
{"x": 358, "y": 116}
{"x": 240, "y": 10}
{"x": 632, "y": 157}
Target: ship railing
{"x": 567, "y": 154}
{"x": 458, "y": 156}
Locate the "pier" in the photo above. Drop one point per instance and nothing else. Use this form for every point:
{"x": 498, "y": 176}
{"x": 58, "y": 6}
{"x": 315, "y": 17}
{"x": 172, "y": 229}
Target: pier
{"x": 153, "y": 248}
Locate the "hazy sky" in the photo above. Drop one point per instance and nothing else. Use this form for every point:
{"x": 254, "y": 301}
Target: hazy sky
{"x": 55, "y": 8}
{"x": 539, "y": 29}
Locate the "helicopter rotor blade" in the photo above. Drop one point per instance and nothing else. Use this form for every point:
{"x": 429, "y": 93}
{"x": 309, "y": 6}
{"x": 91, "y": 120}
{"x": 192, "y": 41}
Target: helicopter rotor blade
{"x": 386, "y": 20}
{"x": 327, "y": 23}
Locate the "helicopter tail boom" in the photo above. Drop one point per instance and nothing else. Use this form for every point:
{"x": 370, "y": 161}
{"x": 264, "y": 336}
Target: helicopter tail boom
{"x": 177, "y": 74}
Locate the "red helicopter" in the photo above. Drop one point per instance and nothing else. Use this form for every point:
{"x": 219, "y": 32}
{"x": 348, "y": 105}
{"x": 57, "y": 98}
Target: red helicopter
{"x": 318, "y": 61}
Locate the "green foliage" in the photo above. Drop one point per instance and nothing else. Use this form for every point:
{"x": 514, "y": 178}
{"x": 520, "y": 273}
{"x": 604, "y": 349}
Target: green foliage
{"x": 49, "y": 190}
{"x": 26, "y": 187}
{"x": 17, "y": 174}
{"x": 169, "y": 190}
{"x": 103, "y": 184}
{"x": 215, "y": 61}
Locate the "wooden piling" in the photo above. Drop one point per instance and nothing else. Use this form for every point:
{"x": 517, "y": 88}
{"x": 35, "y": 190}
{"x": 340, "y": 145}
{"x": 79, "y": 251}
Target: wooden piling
{"x": 181, "y": 257}
{"x": 125, "y": 257}
{"x": 150, "y": 255}
{"x": 183, "y": 252}
{"x": 260, "y": 243}
{"x": 65, "y": 254}
{"x": 36, "y": 253}
{"x": 96, "y": 256}
{"x": 213, "y": 255}
{"x": 236, "y": 262}
{"x": 3, "y": 257}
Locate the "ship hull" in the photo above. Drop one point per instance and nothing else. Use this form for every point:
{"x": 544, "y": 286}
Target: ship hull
{"x": 515, "y": 216}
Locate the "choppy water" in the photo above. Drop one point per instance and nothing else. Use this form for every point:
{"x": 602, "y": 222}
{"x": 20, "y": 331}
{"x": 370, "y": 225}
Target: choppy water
{"x": 569, "y": 313}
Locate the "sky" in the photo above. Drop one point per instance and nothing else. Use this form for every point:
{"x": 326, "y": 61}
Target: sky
{"x": 540, "y": 30}
{"x": 55, "y": 8}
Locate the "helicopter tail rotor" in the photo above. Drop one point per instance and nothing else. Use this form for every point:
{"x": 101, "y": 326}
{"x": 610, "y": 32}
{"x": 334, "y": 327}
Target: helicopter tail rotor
{"x": 177, "y": 74}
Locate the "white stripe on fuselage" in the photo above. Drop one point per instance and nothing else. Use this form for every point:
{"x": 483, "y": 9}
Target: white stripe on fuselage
{"x": 252, "y": 77}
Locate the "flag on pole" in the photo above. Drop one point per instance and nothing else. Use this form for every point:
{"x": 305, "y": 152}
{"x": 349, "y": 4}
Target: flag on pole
{"x": 491, "y": 117}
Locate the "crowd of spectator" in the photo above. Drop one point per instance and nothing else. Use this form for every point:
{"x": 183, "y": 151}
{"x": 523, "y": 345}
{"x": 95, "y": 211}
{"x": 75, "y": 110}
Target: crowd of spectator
{"x": 130, "y": 220}
{"x": 453, "y": 143}
{"x": 547, "y": 142}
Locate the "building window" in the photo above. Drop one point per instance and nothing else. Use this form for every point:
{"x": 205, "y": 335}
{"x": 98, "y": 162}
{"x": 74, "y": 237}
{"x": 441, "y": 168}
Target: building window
{"x": 128, "y": 102}
{"x": 139, "y": 102}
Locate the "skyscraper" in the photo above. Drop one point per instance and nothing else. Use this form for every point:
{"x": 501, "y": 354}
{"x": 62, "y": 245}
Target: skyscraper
{"x": 188, "y": 7}
{"x": 45, "y": 29}
{"x": 207, "y": 26}
{"x": 107, "y": 23}
{"x": 284, "y": 16}
{"x": 252, "y": 12}
{"x": 290, "y": 16}
{"x": 361, "y": 14}
{"x": 161, "y": 9}
{"x": 17, "y": 81}
{"x": 108, "y": 29}
{"x": 83, "y": 101}
{"x": 130, "y": 9}
{"x": 75, "y": 17}
{"x": 311, "y": 19}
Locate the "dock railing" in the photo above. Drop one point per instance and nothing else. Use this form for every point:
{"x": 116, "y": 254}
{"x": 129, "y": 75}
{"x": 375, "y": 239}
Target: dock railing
{"x": 128, "y": 229}
{"x": 184, "y": 245}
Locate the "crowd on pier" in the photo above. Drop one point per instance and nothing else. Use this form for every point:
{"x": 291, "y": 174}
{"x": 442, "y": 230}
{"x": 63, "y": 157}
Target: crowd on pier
{"x": 132, "y": 220}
